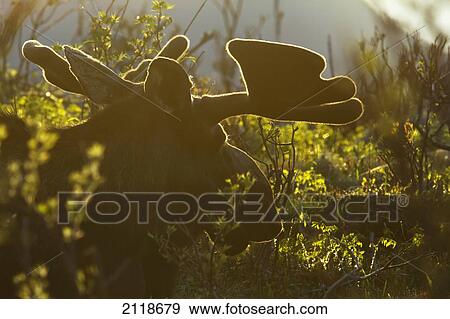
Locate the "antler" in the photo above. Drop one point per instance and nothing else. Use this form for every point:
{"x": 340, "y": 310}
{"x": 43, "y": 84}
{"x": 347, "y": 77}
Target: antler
{"x": 283, "y": 82}
{"x": 57, "y": 70}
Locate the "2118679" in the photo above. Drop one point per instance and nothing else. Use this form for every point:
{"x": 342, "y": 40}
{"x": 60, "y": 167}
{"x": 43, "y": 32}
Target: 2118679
{"x": 150, "y": 308}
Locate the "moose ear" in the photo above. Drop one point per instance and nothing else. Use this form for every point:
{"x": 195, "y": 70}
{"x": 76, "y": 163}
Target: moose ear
{"x": 98, "y": 82}
{"x": 176, "y": 49}
{"x": 168, "y": 85}
{"x": 56, "y": 69}
{"x": 139, "y": 73}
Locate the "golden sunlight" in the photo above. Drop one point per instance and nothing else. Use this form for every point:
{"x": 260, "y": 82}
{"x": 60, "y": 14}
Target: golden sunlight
{"x": 414, "y": 14}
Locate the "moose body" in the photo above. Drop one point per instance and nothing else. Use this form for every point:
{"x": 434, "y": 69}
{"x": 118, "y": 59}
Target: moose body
{"x": 159, "y": 138}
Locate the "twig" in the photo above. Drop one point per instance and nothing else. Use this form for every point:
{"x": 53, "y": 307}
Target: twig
{"x": 195, "y": 17}
{"x": 351, "y": 277}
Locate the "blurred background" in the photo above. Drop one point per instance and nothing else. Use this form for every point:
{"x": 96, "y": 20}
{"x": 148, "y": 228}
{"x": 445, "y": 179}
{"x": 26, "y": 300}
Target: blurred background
{"x": 315, "y": 24}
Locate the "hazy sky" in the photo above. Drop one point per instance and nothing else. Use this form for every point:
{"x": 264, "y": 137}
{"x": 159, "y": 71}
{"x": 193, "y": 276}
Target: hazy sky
{"x": 306, "y": 22}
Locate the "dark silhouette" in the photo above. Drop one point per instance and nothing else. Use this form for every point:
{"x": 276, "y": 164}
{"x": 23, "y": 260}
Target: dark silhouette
{"x": 160, "y": 138}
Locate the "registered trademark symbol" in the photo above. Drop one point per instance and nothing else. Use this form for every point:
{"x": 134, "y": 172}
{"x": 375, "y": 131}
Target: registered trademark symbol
{"x": 403, "y": 200}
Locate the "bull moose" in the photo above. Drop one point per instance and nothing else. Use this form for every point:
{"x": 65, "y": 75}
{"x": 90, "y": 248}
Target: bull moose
{"x": 158, "y": 137}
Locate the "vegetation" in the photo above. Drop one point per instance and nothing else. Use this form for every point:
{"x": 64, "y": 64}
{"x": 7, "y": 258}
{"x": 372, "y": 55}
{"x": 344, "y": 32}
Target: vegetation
{"x": 400, "y": 146}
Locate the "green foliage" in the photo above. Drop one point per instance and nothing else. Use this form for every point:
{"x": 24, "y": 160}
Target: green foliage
{"x": 121, "y": 44}
{"x": 406, "y": 105}
{"x": 33, "y": 285}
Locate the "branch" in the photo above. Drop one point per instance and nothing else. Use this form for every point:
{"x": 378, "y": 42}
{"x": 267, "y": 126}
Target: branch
{"x": 433, "y": 142}
{"x": 351, "y": 277}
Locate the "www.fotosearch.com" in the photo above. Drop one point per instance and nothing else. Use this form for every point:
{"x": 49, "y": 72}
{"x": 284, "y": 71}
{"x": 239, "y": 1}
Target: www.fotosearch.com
{"x": 240, "y": 309}
{"x": 183, "y": 208}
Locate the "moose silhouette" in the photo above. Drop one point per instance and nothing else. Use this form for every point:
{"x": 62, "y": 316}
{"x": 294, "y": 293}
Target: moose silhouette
{"x": 158, "y": 137}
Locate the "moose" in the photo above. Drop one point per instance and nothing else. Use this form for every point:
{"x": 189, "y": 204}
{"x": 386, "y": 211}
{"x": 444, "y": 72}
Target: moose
{"x": 158, "y": 137}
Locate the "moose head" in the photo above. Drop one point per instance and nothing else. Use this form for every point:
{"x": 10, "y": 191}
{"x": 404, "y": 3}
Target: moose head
{"x": 159, "y": 137}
